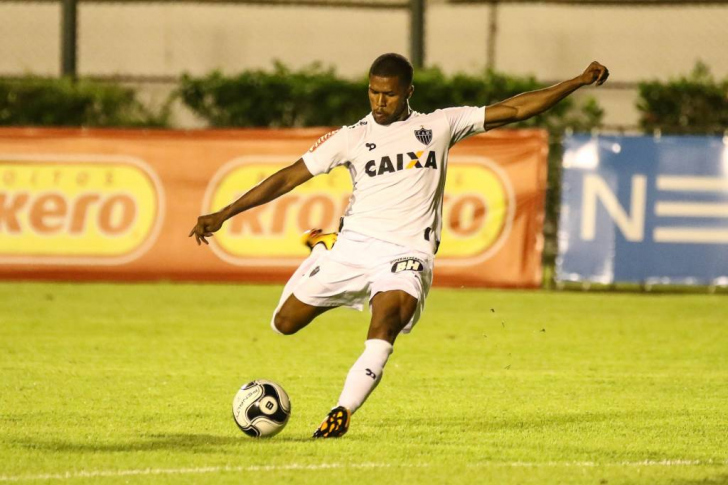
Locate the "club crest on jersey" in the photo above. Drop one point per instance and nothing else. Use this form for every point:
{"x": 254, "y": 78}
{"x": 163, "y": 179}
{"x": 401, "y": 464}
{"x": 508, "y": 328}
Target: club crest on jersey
{"x": 407, "y": 264}
{"x": 423, "y": 135}
{"x": 402, "y": 161}
{"x": 321, "y": 140}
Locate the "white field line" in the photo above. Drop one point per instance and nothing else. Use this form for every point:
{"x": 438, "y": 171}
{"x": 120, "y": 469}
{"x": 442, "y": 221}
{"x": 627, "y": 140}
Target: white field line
{"x": 326, "y": 466}
{"x": 593, "y": 464}
{"x": 184, "y": 471}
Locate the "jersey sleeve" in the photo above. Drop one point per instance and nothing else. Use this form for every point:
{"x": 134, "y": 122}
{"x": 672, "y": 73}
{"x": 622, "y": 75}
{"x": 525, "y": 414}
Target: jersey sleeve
{"x": 464, "y": 121}
{"x": 329, "y": 151}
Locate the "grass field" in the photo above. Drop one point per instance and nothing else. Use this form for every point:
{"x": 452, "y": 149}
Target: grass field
{"x": 109, "y": 384}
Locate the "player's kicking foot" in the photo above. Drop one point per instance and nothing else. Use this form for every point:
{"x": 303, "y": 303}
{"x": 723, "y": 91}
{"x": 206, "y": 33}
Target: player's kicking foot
{"x": 335, "y": 425}
{"x": 317, "y": 236}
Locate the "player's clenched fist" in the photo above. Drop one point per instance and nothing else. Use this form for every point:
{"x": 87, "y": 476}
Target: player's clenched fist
{"x": 206, "y": 225}
{"x": 595, "y": 73}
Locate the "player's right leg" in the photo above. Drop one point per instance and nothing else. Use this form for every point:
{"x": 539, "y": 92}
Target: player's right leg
{"x": 294, "y": 314}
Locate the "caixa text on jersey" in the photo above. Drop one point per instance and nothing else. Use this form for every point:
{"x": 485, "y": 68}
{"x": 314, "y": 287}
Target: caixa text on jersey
{"x": 404, "y": 161}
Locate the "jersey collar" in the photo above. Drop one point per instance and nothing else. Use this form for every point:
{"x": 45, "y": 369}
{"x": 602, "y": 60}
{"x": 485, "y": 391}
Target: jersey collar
{"x": 372, "y": 121}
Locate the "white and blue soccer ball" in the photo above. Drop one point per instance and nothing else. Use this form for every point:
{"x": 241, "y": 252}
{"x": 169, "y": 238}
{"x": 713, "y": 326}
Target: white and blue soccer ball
{"x": 261, "y": 408}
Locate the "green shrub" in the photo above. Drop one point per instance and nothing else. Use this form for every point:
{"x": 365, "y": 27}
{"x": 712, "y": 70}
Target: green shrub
{"x": 434, "y": 90}
{"x": 692, "y": 104}
{"x": 315, "y": 96}
{"x": 280, "y": 98}
{"x": 35, "y": 101}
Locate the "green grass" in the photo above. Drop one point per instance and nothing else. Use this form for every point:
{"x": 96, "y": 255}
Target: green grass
{"x": 104, "y": 383}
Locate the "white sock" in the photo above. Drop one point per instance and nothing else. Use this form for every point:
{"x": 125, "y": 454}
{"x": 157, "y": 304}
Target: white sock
{"x": 365, "y": 374}
{"x": 303, "y": 270}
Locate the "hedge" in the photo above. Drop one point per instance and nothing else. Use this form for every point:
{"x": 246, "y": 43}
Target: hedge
{"x": 696, "y": 103}
{"x": 36, "y": 101}
{"x": 314, "y": 96}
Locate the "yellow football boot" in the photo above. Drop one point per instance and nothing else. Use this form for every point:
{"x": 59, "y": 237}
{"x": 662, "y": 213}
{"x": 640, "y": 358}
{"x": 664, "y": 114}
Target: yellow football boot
{"x": 335, "y": 425}
{"x": 316, "y": 236}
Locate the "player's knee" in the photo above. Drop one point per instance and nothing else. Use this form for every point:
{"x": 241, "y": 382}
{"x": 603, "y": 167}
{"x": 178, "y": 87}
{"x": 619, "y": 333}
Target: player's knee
{"x": 284, "y": 325}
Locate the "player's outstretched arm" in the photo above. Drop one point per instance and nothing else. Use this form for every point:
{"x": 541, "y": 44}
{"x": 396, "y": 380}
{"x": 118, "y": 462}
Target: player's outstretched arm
{"x": 526, "y": 105}
{"x": 269, "y": 189}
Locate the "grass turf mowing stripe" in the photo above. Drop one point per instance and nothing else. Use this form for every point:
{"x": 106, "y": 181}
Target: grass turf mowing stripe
{"x": 328, "y": 466}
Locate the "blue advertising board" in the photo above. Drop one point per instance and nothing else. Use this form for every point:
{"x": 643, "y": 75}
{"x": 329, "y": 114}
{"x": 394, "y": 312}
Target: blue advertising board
{"x": 644, "y": 209}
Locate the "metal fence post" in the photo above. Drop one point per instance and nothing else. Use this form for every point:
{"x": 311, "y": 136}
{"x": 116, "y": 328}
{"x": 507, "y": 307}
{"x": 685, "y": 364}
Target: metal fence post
{"x": 492, "y": 35}
{"x": 68, "y": 38}
{"x": 417, "y": 33}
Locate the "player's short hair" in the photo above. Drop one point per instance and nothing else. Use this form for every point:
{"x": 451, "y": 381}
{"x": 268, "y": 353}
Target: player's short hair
{"x": 393, "y": 65}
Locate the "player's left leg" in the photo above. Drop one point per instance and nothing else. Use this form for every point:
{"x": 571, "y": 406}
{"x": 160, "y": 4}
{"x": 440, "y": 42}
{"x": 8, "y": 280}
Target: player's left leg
{"x": 392, "y": 311}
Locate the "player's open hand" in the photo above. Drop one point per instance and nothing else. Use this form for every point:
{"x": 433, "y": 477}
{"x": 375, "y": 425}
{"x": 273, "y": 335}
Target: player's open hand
{"x": 206, "y": 225}
{"x": 595, "y": 73}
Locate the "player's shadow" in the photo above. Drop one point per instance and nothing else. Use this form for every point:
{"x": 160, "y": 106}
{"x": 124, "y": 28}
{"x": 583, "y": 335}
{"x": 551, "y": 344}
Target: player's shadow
{"x": 530, "y": 422}
{"x": 551, "y": 420}
{"x": 193, "y": 443}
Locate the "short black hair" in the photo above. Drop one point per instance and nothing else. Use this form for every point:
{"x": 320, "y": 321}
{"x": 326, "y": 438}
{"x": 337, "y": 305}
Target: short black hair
{"x": 393, "y": 65}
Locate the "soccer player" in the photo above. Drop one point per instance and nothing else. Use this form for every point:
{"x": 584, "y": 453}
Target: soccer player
{"x": 390, "y": 232}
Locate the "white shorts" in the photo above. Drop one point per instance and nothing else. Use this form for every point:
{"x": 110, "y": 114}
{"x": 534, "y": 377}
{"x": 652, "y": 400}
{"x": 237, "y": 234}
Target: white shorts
{"x": 357, "y": 268}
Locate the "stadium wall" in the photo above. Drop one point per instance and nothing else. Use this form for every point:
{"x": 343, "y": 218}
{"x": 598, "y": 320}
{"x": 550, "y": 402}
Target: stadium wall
{"x": 159, "y": 41}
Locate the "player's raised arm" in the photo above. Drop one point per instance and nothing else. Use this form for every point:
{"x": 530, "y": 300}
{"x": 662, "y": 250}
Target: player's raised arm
{"x": 526, "y": 105}
{"x": 269, "y": 189}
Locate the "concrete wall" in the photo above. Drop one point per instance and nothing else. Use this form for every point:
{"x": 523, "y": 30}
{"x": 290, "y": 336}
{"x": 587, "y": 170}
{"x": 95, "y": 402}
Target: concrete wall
{"x": 550, "y": 42}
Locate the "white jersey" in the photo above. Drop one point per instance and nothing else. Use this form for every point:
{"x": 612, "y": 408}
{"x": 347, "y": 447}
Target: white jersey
{"x": 397, "y": 171}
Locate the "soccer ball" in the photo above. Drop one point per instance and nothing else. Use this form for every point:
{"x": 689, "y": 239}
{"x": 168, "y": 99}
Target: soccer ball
{"x": 261, "y": 408}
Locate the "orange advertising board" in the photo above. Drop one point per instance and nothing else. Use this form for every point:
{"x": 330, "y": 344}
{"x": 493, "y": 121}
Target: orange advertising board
{"x": 118, "y": 205}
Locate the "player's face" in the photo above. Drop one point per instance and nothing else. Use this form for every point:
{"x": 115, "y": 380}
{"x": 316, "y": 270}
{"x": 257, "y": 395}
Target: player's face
{"x": 388, "y": 99}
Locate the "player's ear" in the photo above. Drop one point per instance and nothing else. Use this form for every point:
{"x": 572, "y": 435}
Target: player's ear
{"x": 410, "y": 90}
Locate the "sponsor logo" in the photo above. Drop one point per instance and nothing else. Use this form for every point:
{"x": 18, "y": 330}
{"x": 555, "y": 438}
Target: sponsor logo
{"x": 401, "y": 161}
{"x": 77, "y": 209}
{"x": 407, "y": 264}
{"x": 269, "y": 234}
{"x": 478, "y": 210}
{"x": 423, "y": 135}
{"x": 370, "y": 146}
{"x": 321, "y": 140}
